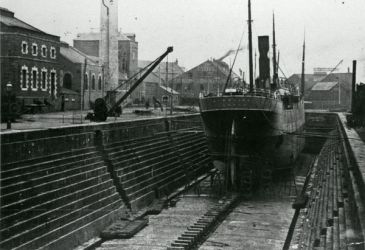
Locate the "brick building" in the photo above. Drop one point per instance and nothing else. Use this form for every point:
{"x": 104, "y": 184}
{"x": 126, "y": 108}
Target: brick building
{"x": 325, "y": 91}
{"x": 208, "y": 77}
{"x": 30, "y": 61}
{"x": 154, "y": 84}
{"x": 82, "y": 78}
{"x": 333, "y": 92}
{"x": 89, "y": 43}
{"x": 310, "y": 81}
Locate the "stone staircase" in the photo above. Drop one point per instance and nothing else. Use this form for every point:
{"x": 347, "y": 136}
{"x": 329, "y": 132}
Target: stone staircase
{"x": 47, "y": 199}
{"x": 329, "y": 219}
{"x": 153, "y": 166}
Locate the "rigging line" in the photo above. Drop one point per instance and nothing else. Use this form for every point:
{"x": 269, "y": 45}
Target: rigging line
{"x": 282, "y": 72}
{"x": 234, "y": 60}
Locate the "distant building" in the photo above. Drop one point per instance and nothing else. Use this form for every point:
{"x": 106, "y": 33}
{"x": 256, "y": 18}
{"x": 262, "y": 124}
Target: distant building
{"x": 165, "y": 93}
{"x": 30, "y": 61}
{"x": 208, "y": 77}
{"x": 310, "y": 81}
{"x": 328, "y": 92}
{"x": 89, "y": 43}
{"x": 82, "y": 78}
{"x": 172, "y": 69}
{"x": 332, "y": 93}
{"x": 151, "y": 86}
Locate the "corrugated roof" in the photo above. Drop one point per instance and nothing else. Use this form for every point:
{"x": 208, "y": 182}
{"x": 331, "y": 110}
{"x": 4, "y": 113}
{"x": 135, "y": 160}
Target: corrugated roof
{"x": 96, "y": 36}
{"x": 324, "y": 85}
{"x": 75, "y": 55}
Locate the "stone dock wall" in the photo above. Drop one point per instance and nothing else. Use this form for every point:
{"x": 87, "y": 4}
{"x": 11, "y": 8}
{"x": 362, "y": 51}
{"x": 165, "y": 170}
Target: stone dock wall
{"x": 60, "y": 187}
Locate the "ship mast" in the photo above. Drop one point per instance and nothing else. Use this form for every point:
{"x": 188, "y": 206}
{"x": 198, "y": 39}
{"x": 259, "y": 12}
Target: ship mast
{"x": 302, "y": 78}
{"x": 275, "y": 72}
{"x": 250, "y": 45}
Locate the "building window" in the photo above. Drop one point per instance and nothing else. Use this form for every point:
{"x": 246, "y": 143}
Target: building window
{"x": 93, "y": 82}
{"x": 34, "y": 49}
{"x": 99, "y": 82}
{"x": 53, "y": 52}
{"x": 24, "y": 47}
{"x": 53, "y": 81}
{"x": 124, "y": 62}
{"x": 44, "y": 50}
{"x": 67, "y": 81}
{"x": 34, "y": 83}
{"x": 24, "y": 78}
{"x": 44, "y": 79}
{"x": 86, "y": 82}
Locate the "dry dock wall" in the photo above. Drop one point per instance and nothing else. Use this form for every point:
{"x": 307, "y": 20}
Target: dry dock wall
{"x": 61, "y": 187}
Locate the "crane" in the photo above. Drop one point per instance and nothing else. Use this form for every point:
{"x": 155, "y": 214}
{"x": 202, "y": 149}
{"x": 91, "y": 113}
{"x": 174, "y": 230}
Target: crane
{"x": 103, "y": 109}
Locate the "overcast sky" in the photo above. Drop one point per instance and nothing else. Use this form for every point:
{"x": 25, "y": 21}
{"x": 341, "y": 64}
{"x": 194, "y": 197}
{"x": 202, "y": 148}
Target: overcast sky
{"x": 202, "y": 29}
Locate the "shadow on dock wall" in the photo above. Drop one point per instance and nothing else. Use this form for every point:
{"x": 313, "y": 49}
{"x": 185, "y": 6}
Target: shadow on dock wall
{"x": 318, "y": 125}
{"x": 61, "y": 187}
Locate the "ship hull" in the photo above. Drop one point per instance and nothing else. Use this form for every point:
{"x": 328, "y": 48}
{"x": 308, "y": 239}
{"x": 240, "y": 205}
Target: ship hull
{"x": 253, "y": 127}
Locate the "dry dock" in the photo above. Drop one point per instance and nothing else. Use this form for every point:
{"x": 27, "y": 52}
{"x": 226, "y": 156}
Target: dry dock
{"x": 61, "y": 187}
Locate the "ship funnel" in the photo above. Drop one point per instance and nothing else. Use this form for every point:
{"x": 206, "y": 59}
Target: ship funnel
{"x": 264, "y": 62}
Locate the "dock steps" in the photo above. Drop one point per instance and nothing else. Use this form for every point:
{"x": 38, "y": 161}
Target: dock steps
{"x": 196, "y": 233}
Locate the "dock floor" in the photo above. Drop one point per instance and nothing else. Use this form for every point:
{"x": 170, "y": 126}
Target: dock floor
{"x": 254, "y": 224}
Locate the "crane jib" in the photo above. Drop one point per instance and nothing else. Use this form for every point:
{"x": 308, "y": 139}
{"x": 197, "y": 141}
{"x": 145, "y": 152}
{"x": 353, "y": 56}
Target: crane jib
{"x": 101, "y": 111}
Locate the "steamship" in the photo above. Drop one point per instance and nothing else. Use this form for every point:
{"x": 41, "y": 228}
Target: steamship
{"x": 260, "y": 123}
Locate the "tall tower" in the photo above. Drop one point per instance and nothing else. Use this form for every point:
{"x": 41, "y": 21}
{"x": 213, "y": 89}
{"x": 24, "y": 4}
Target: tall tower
{"x": 108, "y": 46}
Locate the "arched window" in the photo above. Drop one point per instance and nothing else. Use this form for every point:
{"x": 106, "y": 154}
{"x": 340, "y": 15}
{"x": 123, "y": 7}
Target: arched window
{"x": 93, "y": 82}
{"x": 34, "y": 78}
{"x": 24, "y": 78}
{"x": 99, "y": 82}
{"x": 44, "y": 79}
{"x": 86, "y": 82}
{"x": 67, "y": 81}
{"x": 124, "y": 62}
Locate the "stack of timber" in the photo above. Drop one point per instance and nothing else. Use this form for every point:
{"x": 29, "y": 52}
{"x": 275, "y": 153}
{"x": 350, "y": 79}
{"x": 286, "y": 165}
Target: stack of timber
{"x": 330, "y": 219}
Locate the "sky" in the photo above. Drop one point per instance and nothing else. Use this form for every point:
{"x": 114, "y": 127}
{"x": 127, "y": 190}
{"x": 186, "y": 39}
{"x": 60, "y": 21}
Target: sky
{"x": 334, "y": 30}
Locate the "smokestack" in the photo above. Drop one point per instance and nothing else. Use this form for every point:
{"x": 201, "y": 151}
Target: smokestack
{"x": 264, "y": 62}
{"x": 353, "y": 86}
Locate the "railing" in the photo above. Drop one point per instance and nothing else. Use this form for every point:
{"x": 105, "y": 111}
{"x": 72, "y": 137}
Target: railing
{"x": 255, "y": 93}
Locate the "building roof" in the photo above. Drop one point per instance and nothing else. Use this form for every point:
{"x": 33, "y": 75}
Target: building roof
{"x": 345, "y": 79}
{"x": 224, "y": 68}
{"x": 324, "y": 86}
{"x": 76, "y": 56}
{"x": 218, "y": 66}
{"x": 153, "y": 78}
{"x": 169, "y": 90}
{"x": 8, "y": 19}
{"x": 172, "y": 67}
{"x": 92, "y": 36}
{"x": 310, "y": 80}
